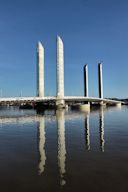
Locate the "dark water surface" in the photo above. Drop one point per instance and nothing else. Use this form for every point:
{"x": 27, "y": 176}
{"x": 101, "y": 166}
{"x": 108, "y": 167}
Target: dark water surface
{"x": 64, "y": 150}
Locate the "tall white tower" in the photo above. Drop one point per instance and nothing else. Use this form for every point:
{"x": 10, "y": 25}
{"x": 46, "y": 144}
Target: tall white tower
{"x": 86, "y": 80}
{"x": 100, "y": 79}
{"x": 60, "y": 68}
{"x": 40, "y": 70}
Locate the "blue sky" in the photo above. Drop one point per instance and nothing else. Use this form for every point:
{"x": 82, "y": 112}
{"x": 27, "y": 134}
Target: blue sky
{"x": 92, "y": 31}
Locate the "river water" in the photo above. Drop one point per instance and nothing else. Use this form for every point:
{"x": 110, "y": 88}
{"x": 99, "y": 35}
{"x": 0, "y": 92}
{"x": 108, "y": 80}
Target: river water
{"x": 64, "y": 150}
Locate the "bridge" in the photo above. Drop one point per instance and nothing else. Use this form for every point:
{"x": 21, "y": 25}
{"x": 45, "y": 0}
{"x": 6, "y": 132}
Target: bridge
{"x": 60, "y": 100}
{"x": 54, "y": 99}
{"x": 67, "y": 99}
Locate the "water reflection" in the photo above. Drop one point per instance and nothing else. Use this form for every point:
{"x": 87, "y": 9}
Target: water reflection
{"x": 101, "y": 128}
{"x": 60, "y": 115}
{"x": 44, "y": 138}
{"x": 41, "y": 145}
{"x": 60, "y": 118}
{"x": 87, "y": 133}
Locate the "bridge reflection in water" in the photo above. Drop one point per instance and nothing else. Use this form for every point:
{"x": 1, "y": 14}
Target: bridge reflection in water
{"x": 60, "y": 118}
{"x": 64, "y": 150}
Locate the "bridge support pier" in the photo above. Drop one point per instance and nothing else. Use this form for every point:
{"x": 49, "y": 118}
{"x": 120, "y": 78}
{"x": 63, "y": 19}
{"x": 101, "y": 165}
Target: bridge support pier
{"x": 85, "y": 107}
{"x": 118, "y": 104}
{"x": 102, "y": 103}
{"x": 60, "y": 103}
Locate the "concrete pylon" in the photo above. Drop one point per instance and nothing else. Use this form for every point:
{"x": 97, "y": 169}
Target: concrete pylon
{"x": 86, "y": 80}
{"x": 86, "y": 106}
{"x": 60, "y": 72}
{"x": 40, "y": 70}
{"x": 100, "y": 80}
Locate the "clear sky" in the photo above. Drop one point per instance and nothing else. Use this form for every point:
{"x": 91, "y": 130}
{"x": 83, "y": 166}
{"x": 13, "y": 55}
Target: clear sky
{"x": 92, "y": 31}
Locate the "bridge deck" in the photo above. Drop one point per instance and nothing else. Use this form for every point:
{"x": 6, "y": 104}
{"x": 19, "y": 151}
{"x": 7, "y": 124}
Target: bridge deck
{"x": 66, "y": 98}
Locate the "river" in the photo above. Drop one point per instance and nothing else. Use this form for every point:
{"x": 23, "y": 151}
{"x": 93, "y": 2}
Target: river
{"x": 64, "y": 150}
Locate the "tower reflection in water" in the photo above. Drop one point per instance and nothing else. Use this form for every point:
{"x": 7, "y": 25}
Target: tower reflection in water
{"x": 60, "y": 115}
{"x": 41, "y": 145}
{"x": 101, "y": 130}
{"x": 87, "y": 133}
